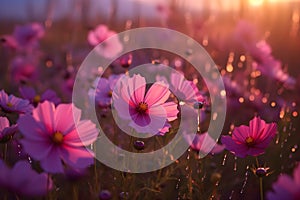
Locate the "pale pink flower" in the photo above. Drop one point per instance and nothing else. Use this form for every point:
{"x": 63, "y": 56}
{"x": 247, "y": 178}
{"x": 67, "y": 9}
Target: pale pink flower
{"x": 184, "y": 90}
{"x": 111, "y": 46}
{"x": 147, "y": 111}
{"x": 55, "y": 136}
{"x": 204, "y": 143}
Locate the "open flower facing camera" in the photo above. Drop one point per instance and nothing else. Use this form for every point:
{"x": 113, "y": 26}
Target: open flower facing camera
{"x": 148, "y": 100}
{"x": 147, "y": 111}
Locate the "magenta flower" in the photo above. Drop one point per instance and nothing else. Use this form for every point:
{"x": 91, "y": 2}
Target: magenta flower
{"x": 22, "y": 180}
{"x": 286, "y": 187}
{"x": 147, "y": 111}
{"x": 6, "y": 131}
{"x": 103, "y": 91}
{"x": 252, "y": 140}
{"x": 110, "y": 48}
{"x": 53, "y": 139}
{"x": 14, "y": 104}
{"x": 30, "y": 94}
{"x": 204, "y": 143}
{"x": 23, "y": 70}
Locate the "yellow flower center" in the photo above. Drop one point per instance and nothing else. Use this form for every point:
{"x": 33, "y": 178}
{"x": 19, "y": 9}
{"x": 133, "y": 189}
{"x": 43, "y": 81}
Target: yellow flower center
{"x": 9, "y": 104}
{"x": 110, "y": 93}
{"x": 57, "y": 137}
{"x": 249, "y": 141}
{"x": 37, "y": 98}
{"x": 142, "y": 107}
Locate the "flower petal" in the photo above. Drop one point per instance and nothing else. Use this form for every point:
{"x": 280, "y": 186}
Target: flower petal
{"x": 37, "y": 150}
{"x": 239, "y": 150}
{"x": 45, "y": 114}
{"x": 4, "y": 123}
{"x": 256, "y": 126}
{"x": 32, "y": 129}
{"x": 77, "y": 157}
{"x": 240, "y": 133}
{"x": 66, "y": 116}
{"x": 171, "y": 110}
{"x": 157, "y": 94}
{"x": 136, "y": 88}
{"x": 84, "y": 134}
{"x": 52, "y": 163}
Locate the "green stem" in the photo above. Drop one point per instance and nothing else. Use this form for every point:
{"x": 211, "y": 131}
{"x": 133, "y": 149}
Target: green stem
{"x": 198, "y": 121}
{"x": 257, "y": 162}
{"x": 261, "y": 189}
{"x": 5, "y": 152}
{"x": 49, "y": 195}
{"x": 96, "y": 174}
{"x": 95, "y": 168}
{"x": 75, "y": 192}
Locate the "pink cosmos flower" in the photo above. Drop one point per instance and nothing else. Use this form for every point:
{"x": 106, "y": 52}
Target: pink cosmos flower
{"x": 204, "y": 143}
{"x": 111, "y": 47}
{"x": 250, "y": 140}
{"x": 30, "y": 94}
{"x": 103, "y": 91}
{"x": 22, "y": 180}
{"x": 286, "y": 187}
{"x": 23, "y": 70}
{"x": 6, "y": 131}
{"x": 147, "y": 111}
{"x": 56, "y": 137}
{"x": 13, "y": 104}
{"x": 183, "y": 89}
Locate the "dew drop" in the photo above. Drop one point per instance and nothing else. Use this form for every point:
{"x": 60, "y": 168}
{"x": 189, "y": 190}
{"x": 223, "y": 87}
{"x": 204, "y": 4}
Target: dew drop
{"x": 277, "y": 139}
{"x": 224, "y": 159}
{"x": 29, "y": 159}
{"x": 245, "y": 180}
{"x": 235, "y": 164}
{"x": 177, "y": 185}
{"x": 155, "y": 62}
{"x": 231, "y": 194}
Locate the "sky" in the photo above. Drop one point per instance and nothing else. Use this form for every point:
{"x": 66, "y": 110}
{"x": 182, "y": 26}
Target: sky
{"x": 39, "y": 9}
